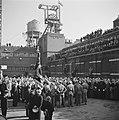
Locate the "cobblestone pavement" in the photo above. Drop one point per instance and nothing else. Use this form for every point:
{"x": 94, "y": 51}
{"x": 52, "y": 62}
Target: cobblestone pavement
{"x": 95, "y": 110}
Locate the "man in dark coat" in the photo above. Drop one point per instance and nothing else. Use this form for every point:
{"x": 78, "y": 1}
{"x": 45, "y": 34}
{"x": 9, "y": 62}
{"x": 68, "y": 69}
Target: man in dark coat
{"x": 48, "y": 108}
{"x": 101, "y": 89}
{"x": 35, "y": 102}
{"x": 4, "y": 95}
{"x": 14, "y": 92}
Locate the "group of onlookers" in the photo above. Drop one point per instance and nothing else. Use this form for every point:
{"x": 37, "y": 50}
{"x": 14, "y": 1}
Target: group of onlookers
{"x": 104, "y": 88}
{"x": 62, "y": 92}
{"x": 111, "y": 30}
{"x": 98, "y": 45}
{"x": 66, "y": 92}
{"x": 55, "y": 86}
{"x": 98, "y": 33}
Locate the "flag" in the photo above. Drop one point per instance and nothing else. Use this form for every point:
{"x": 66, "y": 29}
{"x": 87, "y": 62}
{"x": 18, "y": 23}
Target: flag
{"x": 38, "y": 67}
{"x": 38, "y": 70}
{"x": 60, "y": 3}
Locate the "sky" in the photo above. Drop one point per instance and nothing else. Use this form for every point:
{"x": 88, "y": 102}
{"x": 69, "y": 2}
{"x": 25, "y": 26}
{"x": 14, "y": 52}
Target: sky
{"x": 79, "y": 17}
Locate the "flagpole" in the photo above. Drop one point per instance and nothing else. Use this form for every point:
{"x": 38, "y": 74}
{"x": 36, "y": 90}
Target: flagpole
{"x": 59, "y": 4}
{"x": 59, "y": 13}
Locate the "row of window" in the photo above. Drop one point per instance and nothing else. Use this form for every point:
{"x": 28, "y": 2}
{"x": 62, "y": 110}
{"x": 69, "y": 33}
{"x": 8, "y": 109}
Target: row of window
{"x": 3, "y": 54}
{"x": 111, "y": 65}
{"x": 11, "y": 68}
{"x": 25, "y": 54}
{"x": 62, "y": 73}
{"x": 80, "y": 63}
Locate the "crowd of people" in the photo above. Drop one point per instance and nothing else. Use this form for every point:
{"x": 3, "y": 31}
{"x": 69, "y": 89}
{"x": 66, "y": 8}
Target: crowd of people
{"x": 92, "y": 35}
{"x": 59, "y": 91}
{"x": 98, "y": 33}
{"x": 97, "y": 45}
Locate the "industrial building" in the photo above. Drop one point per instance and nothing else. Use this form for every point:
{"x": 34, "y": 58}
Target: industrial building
{"x": 18, "y": 60}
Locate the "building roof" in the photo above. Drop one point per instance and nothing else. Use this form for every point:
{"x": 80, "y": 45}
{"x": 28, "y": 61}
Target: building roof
{"x": 117, "y": 18}
{"x": 34, "y": 21}
{"x": 5, "y": 48}
{"x": 26, "y": 50}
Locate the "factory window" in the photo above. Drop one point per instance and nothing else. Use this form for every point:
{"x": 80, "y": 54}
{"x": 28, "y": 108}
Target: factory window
{"x": 32, "y": 55}
{"x": 13, "y": 68}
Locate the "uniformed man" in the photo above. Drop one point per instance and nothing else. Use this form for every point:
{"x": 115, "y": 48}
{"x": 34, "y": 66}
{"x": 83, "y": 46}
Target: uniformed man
{"x": 61, "y": 89}
{"x": 53, "y": 88}
{"x": 85, "y": 90}
{"x": 70, "y": 92}
{"x": 78, "y": 92}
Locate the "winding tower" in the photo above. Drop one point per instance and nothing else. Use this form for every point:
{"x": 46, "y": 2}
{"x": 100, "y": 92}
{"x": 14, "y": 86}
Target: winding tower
{"x": 51, "y": 40}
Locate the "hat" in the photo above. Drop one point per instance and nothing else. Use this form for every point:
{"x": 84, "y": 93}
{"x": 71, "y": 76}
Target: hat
{"x": 76, "y": 81}
{"x": 70, "y": 82}
{"x": 79, "y": 82}
{"x": 48, "y": 98}
{"x": 32, "y": 87}
{"x": 60, "y": 81}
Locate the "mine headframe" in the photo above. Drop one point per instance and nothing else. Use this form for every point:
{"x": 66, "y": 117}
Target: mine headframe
{"x": 52, "y": 17}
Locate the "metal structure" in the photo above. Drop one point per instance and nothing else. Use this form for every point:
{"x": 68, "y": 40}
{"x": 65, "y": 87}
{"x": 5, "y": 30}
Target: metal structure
{"x": 53, "y": 26}
{"x": 33, "y": 33}
{"x": 51, "y": 18}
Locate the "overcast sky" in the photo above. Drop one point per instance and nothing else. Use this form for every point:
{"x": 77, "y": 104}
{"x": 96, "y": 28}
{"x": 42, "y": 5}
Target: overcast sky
{"x": 79, "y": 17}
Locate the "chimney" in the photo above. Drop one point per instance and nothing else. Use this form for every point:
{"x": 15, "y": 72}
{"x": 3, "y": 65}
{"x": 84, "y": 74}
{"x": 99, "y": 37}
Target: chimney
{"x": 116, "y": 22}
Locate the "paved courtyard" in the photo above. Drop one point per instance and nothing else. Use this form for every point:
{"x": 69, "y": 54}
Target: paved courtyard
{"x": 94, "y": 110}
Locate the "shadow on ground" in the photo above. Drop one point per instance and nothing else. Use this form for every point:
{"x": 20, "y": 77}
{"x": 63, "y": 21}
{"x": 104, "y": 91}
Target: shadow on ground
{"x": 70, "y": 113}
{"x": 95, "y": 110}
